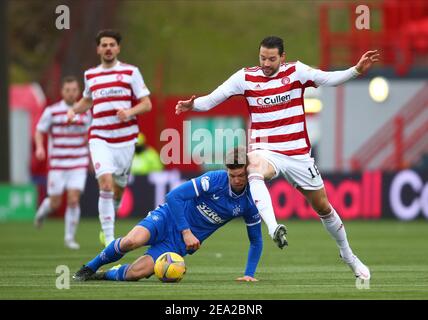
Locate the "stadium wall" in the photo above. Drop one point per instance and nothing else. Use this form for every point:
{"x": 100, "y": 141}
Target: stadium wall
{"x": 362, "y": 117}
{"x": 370, "y": 195}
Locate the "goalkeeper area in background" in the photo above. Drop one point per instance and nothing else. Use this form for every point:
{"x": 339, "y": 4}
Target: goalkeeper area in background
{"x": 309, "y": 268}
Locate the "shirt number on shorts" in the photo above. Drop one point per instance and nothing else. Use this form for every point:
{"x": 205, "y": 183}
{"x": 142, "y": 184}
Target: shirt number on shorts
{"x": 317, "y": 173}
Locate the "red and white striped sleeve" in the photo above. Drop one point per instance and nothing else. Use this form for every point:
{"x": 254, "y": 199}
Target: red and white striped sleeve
{"x": 45, "y": 121}
{"x": 86, "y": 91}
{"x": 139, "y": 88}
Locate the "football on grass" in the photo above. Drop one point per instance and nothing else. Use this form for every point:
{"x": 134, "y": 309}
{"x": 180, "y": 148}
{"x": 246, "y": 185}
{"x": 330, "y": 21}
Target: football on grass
{"x": 170, "y": 267}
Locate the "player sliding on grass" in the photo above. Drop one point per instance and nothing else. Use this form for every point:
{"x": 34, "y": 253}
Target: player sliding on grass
{"x": 192, "y": 213}
{"x": 279, "y": 139}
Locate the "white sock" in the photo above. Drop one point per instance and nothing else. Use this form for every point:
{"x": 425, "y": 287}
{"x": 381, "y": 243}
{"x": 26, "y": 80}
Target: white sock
{"x": 45, "y": 208}
{"x": 335, "y": 227}
{"x": 72, "y": 217}
{"x": 106, "y": 214}
{"x": 263, "y": 201}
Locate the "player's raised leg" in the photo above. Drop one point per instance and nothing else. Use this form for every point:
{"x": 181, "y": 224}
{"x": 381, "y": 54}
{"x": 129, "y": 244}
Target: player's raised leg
{"x": 72, "y": 217}
{"x": 335, "y": 227}
{"x": 117, "y": 196}
{"x": 260, "y": 169}
{"x": 48, "y": 205}
{"x": 137, "y": 237}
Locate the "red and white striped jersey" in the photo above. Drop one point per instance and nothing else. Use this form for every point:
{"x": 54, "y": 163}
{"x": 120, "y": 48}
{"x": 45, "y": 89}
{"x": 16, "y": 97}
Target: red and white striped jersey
{"x": 277, "y": 109}
{"x": 67, "y": 145}
{"x": 276, "y": 104}
{"x": 110, "y": 90}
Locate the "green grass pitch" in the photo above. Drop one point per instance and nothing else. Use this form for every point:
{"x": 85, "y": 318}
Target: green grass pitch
{"x": 310, "y": 268}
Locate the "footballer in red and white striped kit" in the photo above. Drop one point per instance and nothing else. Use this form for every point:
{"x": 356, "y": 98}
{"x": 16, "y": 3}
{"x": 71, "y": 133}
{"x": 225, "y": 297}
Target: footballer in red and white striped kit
{"x": 110, "y": 89}
{"x": 68, "y": 158}
{"x": 279, "y": 142}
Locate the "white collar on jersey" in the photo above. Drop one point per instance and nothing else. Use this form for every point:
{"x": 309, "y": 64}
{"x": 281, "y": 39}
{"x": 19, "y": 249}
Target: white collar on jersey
{"x": 65, "y": 104}
{"x": 234, "y": 195}
{"x": 112, "y": 67}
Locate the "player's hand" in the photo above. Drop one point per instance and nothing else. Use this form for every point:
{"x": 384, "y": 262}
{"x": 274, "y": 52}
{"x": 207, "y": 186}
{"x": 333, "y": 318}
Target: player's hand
{"x": 367, "y": 61}
{"x": 40, "y": 154}
{"x": 246, "y": 279}
{"x": 192, "y": 243}
{"x": 123, "y": 114}
{"x": 70, "y": 115}
{"x": 184, "y": 105}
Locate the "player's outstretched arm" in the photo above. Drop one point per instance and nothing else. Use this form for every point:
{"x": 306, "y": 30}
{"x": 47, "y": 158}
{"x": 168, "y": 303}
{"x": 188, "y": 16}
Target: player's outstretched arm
{"x": 231, "y": 87}
{"x": 254, "y": 252}
{"x": 246, "y": 279}
{"x": 184, "y": 105}
{"x": 367, "y": 60}
{"x": 335, "y": 78}
{"x": 192, "y": 243}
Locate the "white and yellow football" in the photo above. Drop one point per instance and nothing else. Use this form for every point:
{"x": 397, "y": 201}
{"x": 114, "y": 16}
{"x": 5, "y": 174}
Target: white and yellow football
{"x": 170, "y": 267}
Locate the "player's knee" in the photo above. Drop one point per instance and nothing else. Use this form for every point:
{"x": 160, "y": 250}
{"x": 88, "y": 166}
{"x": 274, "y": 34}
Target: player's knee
{"x": 128, "y": 244}
{"x": 73, "y": 201}
{"x": 55, "y": 203}
{"x": 322, "y": 207}
{"x": 255, "y": 165}
{"x": 105, "y": 183}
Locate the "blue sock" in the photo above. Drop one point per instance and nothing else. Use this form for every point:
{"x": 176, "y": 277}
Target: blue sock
{"x": 110, "y": 254}
{"x": 117, "y": 274}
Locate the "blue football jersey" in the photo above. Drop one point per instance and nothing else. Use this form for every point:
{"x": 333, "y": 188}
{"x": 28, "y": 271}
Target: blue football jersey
{"x": 215, "y": 204}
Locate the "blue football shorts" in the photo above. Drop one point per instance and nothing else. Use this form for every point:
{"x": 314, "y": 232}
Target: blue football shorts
{"x": 163, "y": 235}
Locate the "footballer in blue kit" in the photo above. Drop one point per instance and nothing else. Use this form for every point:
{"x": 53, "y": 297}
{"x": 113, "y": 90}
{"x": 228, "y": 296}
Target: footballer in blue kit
{"x": 192, "y": 212}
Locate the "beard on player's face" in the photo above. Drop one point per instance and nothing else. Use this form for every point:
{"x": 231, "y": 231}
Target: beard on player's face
{"x": 270, "y": 60}
{"x": 70, "y": 93}
{"x": 109, "y": 56}
{"x": 268, "y": 71}
{"x": 108, "y": 50}
{"x": 108, "y": 59}
{"x": 70, "y": 100}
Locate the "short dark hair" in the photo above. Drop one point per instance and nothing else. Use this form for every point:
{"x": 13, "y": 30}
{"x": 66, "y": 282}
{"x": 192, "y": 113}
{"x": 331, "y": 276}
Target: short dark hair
{"x": 273, "y": 42}
{"x": 68, "y": 79}
{"x": 237, "y": 158}
{"x": 108, "y": 33}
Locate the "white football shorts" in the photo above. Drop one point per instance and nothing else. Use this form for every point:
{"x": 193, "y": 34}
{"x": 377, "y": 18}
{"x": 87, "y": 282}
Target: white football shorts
{"x": 116, "y": 161}
{"x": 298, "y": 172}
{"x": 60, "y": 180}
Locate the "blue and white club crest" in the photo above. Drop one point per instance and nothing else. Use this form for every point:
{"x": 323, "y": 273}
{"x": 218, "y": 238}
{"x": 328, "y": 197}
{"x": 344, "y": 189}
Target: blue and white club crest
{"x": 237, "y": 210}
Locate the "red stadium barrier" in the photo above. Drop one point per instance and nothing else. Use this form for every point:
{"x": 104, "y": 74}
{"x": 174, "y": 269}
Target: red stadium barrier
{"x": 406, "y": 132}
{"x": 370, "y": 195}
{"x": 401, "y": 35}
